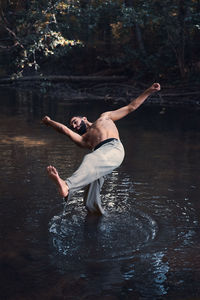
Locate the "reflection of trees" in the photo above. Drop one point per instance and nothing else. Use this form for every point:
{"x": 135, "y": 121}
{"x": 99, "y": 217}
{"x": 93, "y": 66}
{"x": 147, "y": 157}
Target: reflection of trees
{"x": 24, "y": 140}
{"x": 27, "y": 104}
{"x": 165, "y": 156}
{"x": 147, "y": 275}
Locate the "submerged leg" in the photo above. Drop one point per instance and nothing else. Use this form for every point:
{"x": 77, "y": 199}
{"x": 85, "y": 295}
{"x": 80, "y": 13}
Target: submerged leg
{"x": 61, "y": 184}
{"x": 92, "y": 197}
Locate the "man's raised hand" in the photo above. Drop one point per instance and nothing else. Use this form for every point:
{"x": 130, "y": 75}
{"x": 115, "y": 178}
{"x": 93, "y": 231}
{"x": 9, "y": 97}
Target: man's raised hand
{"x": 46, "y": 120}
{"x": 155, "y": 87}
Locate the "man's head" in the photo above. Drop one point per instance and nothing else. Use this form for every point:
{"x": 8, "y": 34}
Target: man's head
{"x": 79, "y": 124}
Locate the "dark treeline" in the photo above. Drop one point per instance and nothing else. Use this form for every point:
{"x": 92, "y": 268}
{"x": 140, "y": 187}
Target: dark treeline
{"x": 145, "y": 40}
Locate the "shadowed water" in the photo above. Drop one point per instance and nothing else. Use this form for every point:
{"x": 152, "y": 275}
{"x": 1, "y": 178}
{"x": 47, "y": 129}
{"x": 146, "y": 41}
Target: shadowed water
{"x": 147, "y": 246}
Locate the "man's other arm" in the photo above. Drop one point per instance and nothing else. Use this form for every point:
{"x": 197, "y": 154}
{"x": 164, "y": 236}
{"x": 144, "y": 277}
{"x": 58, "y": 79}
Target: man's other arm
{"x": 133, "y": 105}
{"x": 59, "y": 127}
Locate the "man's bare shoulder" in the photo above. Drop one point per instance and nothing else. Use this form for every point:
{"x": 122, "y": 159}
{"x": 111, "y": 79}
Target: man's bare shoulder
{"x": 105, "y": 115}
{"x": 103, "y": 118}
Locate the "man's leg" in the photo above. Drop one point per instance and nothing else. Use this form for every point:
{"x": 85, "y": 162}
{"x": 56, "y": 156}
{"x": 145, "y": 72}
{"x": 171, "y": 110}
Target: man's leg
{"x": 61, "y": 184}
{"x": 94, "y": 166}
{"x": 92, "y": 198}
{"x": 91, "y": 171}
{"x": 99, "y": 163}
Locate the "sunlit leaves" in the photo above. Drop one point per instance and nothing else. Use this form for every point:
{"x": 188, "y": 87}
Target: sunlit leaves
{"x": 136, "y": 35}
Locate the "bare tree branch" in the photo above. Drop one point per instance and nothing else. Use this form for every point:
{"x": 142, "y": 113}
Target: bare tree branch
{"x": 5, "y": 24}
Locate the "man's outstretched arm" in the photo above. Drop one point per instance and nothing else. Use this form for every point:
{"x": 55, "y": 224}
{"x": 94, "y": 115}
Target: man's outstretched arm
{"x": 133, "y": 105}
{"x": 59, "y": 127}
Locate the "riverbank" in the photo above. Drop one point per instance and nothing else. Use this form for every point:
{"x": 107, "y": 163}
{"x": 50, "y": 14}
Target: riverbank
{"x": 111, "y": 89}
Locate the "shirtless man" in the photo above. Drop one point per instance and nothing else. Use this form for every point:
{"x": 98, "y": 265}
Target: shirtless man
{"x": 102, "y": 137}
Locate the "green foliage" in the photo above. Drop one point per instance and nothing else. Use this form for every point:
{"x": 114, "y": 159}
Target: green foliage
{"x": 143, "y": 38}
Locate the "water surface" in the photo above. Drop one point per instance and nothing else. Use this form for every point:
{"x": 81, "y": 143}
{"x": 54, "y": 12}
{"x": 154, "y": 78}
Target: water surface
{"x": 148, "y": 244}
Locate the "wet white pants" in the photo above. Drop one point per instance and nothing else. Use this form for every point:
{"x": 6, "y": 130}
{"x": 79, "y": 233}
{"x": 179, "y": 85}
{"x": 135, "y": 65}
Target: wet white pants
{"x": 90, "y": 174}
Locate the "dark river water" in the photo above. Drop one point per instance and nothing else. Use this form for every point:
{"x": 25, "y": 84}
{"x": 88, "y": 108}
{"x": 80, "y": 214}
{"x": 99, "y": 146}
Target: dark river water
{"x": 148, "y": 244}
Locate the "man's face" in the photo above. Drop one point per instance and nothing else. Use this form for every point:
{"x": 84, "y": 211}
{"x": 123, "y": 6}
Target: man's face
{"x": 78, "y": 125}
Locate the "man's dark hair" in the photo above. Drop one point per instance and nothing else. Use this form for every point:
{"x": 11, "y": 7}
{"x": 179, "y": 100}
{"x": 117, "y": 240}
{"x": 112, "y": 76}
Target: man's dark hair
{"x": 77, "y": 116}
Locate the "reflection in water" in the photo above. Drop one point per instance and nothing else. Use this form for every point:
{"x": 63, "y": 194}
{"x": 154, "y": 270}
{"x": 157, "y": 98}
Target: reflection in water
{"x": 26, "y": 141}
{"x": 133, "y": 228}
{"x": 146, "y": 247}
{"x": 103, "y": 243}
{"x": 149, "y": 270}
{"x": 128, "y": 239}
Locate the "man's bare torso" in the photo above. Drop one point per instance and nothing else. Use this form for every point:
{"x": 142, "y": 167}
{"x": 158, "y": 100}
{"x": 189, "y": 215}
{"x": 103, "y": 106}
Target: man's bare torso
{"x": 103, "y": 128}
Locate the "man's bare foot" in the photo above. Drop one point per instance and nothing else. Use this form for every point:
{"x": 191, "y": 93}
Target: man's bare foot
{"x": 61, "y": 184}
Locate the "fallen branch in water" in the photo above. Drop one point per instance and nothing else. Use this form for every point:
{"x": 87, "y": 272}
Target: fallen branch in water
{"x": 59, "y": 78}
{"x": 181, "y": 94}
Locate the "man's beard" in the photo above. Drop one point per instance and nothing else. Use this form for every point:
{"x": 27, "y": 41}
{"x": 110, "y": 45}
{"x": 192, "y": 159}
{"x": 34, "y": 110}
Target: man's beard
{"x": 82, "y": 128}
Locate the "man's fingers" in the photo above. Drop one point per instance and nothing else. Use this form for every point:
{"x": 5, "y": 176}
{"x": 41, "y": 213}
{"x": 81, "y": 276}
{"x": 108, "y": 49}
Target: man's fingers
{"x": 156, "y": 86}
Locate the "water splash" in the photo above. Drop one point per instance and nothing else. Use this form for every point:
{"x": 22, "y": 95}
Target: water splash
{"x": 114, "y": 236}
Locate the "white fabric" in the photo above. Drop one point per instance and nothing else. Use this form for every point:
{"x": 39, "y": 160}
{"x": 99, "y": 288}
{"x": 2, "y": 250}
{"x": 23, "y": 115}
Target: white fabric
{"x": 90, "y": 174}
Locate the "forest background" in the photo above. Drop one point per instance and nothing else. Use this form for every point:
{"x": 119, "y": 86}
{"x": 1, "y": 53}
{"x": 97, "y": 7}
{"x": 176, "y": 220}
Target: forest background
{"x": 144, "y": 40}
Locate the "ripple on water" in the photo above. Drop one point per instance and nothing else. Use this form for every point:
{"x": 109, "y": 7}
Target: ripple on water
{"x": 117, "y": 235}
